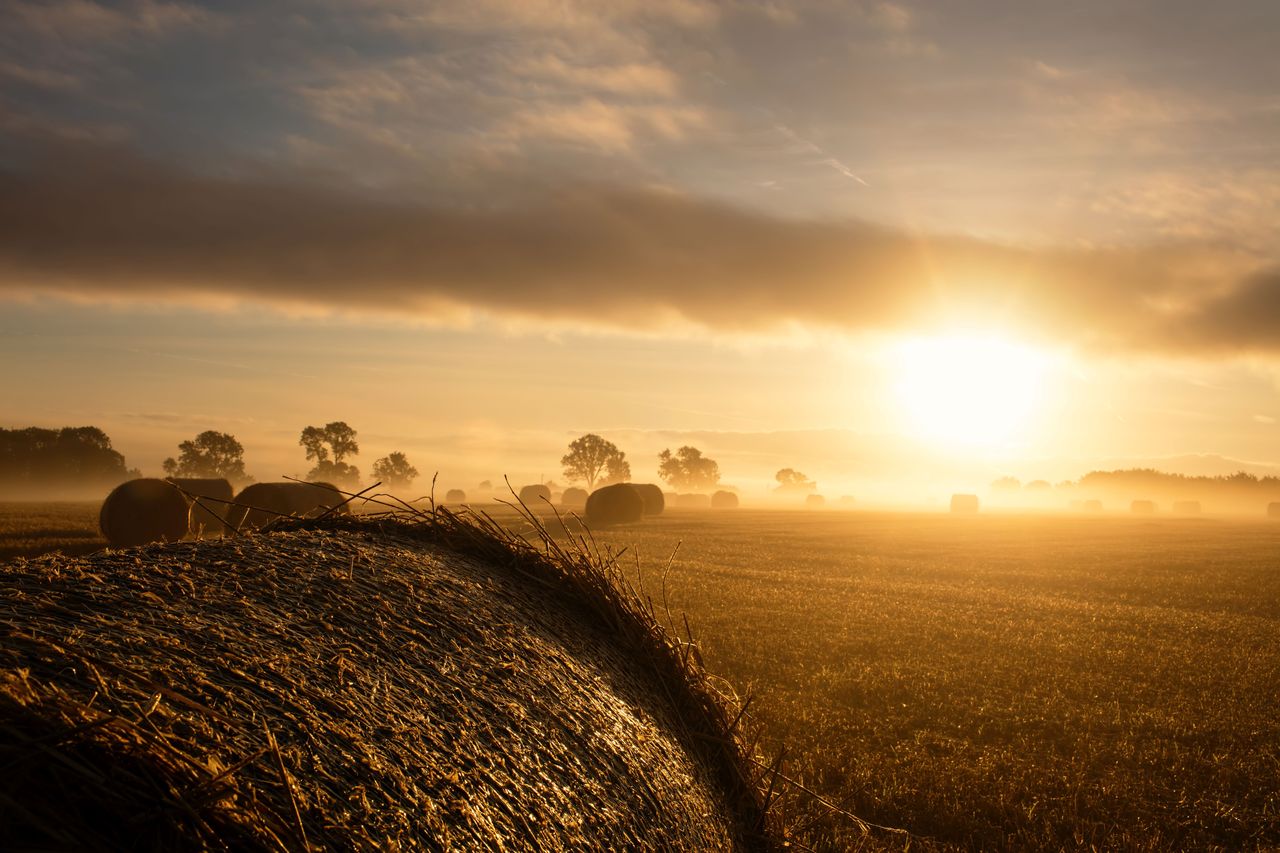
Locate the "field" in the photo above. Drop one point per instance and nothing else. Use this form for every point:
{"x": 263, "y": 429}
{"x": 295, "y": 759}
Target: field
{"x": 996, "y": 682}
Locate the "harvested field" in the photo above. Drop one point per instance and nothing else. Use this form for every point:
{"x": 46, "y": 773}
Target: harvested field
{"x": 355, "y": 684}
{"x": 31, "y": 529}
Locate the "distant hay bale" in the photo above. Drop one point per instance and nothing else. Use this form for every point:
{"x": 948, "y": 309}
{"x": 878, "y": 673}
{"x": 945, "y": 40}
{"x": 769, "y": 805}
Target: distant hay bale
{"x": 620, "y": 503}
{"x": 208, "y": 517}
{"x": 535, "y": 496}
{"x": 1142, "y": 507}
{"x": 964, "y": 504}
{"x": 142, "y": 511}
{"x": 356, "y": 685}
{"x": 693, "y": 501}
{"x": 1092, "y": 506}
{"x": 654, "y": 502}
{"x": 455, "y": 496}
{"x": 815, "y": 501}
{"x": 259, "y": 504}
{"x": 573, "y": 498}
{"x": 1273, "y": 509}
{"x": 724, "y": 500}
{"x": 1186, "y": 507}
{"x": 670, "y": 498}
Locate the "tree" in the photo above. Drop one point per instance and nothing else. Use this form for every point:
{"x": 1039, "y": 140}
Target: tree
{"x": 394, "y": 471}
{"x": 791, "y": 480}
{"x": 595, "y": 460}
{"x": 40, "y": 460}
{"x": 209, "y": 454}
{"x": 1006, "y": 484}
{"x": 337, "y": 440}
{"x": 688, "y": 469}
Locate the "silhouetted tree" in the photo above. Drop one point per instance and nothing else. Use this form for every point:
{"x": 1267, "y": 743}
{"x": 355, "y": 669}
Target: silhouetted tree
{"x": 394, "y": 471}
{"x": 1039, "y": 486}
{"x": 337, "y": 440}
{"x": 35, "y": 459}
{"x": 791, "y": 480}
{"x": 1006, "y": 484}
{"x": 209, "y": 454}
{"x": 595, "y": 460}
{"x": 688, "y": 469}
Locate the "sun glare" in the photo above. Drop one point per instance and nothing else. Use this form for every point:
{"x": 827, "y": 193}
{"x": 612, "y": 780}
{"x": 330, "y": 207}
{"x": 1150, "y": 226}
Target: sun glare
{"x": 969, "y": 391}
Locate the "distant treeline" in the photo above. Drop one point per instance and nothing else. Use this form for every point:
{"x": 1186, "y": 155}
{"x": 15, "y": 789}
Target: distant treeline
{"x": 1239, "y": 489}
{"x": 40, "y": 462}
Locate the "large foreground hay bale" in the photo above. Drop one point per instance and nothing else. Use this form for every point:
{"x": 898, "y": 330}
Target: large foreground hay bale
{"x": 1186, "y": 507}
{"x": 724, "y": 500}
{"x": 1142, "y": 507}
{"x": 349, "y": 684}
{"x": 208, "y": 517}
{"x": 620, "y": 503}
{"x": 141, "y": 511}
{"x": 964, "y": 504}
{"x": 574, "y": 498}
{"x": 535, "y": 496}
{"x": 654, "y": 502}
{"x": 261, "y": 503}
{"x": 693, "y": 501}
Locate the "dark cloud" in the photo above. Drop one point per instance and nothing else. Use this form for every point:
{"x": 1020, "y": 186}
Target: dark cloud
{"x": 105, "y": 224}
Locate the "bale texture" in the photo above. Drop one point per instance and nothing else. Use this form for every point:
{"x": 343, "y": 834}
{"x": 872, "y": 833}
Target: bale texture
{"x": 142, "y": 511}
{"x": 1186, "y": 507}
{"x": 815, "y": 501}
{"x": 208, "y": 517}
{"x": 535, "y": 497}
{"x": 654, "y": 502}
{"x": 724, "y": 500}
{"x": 574, "y": 498}
{"x": 355, "y": 685}
{"x": 1142, "y": 507}
{"x": 259, "y": 504}
{"x": 455, "y": 496}
{"x": 693, "y": 500}
{"x": 964, "y": 503}
{"x": 620, "y": 503}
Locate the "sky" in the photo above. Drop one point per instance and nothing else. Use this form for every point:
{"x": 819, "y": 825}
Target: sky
{"x": 922, "y": 244}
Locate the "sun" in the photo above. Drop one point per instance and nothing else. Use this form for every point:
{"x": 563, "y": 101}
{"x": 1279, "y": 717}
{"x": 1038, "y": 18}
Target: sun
{"x": 969, "y": 391}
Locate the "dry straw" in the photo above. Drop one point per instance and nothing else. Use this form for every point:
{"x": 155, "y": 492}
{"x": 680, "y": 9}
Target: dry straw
{"x": 414, "y": 679}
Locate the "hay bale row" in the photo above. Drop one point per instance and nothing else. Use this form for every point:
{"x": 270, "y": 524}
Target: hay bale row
{"x": 212, "y": 498}
{"x": 351, "y": 684}
{"x": 574, "y": 498}
{"x": 693, "y": 501}
{"x": 724, "y": 500}
{"x": 651, "y": 494}
{"x": 455, "y": 496}
{"x": 815, "y": 501}
{"x": 535, "y": 496}
{"x": 141, "y": 511}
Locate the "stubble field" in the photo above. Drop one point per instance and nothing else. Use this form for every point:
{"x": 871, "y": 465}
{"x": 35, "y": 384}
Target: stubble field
{"x": 996, "y": 682}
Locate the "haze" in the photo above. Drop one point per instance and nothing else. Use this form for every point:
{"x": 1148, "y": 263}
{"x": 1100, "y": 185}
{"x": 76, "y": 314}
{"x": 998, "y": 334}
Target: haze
{"x": 906, "y": 248}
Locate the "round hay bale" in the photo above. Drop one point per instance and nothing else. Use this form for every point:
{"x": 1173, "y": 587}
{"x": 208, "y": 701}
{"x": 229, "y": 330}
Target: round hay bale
{"x": 724, "y": 500}
{"x": 815, "y": 501}
{"x": 1273, "y": 509}
{"x": 1186, "y": 507}
{"x": 208, "y": 517}
{"x": 693, "y": 501}
{"x": 535, "y": 497}
{"x": 261, "y": 503}
{"x": 455, "y": 496}
{"x": 574, "y": 498}
{"x": 964, "y": 504}
{"x": 348, "y": 685}
{"x": 1092, "y": 506}
{"x": 141, "y": 511}
{"x": 1142, "y": 507}
{"x": 654, "y": 502}
{"x": 620, "y": 503}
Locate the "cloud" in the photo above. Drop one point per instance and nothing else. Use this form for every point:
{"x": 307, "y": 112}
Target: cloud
{"x": 109, "y": 225}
